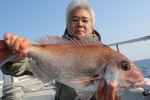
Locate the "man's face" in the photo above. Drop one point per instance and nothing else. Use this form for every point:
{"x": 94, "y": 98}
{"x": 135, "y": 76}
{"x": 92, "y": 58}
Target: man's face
{"x": 79, "y": 23}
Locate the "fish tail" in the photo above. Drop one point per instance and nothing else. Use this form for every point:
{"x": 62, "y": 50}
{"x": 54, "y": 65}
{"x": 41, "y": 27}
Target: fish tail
{"x": 5, "y": 53}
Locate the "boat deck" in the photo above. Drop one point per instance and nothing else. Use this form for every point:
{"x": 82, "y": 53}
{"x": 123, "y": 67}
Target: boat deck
{"x": 35, "y": 90}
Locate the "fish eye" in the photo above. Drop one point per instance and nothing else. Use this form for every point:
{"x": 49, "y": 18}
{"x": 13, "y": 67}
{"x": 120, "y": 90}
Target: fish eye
{"x": 125, "y": 66}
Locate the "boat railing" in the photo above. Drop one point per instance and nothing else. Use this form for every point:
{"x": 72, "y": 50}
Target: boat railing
{"x": 130, "y": 41}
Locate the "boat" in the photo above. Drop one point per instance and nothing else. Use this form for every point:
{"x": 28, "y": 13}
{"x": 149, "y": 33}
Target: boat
{"x": 30, "y": 88}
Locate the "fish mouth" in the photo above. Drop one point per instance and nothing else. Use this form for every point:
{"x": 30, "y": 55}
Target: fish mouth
{"x": 132, "y": 86}
{"x": 138, "y": 84}
{"x": 123, "y": 89}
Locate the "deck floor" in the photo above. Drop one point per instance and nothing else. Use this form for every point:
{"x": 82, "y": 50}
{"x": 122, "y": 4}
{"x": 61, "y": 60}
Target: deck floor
{"x": 35, "y": 90}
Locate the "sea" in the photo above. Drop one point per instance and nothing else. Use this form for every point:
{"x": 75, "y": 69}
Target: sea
{"x": 143, "y": 65}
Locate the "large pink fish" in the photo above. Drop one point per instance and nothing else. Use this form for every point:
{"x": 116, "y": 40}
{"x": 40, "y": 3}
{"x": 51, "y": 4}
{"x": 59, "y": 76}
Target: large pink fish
{"x": 80, "y": 64}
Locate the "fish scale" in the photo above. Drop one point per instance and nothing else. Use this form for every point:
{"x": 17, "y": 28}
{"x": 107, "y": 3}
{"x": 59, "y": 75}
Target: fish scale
{"x": 52, "y": 57}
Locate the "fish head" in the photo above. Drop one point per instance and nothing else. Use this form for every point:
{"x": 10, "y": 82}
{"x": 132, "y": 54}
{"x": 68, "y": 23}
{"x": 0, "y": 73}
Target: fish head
{"x": 125, "y": 72}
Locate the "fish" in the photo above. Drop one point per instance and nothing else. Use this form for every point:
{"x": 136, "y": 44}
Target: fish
{"x": 80, "y": 64}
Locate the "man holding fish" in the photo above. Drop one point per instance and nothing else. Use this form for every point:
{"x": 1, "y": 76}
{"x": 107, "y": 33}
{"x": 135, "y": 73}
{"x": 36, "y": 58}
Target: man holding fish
{"x": 79, "y": 23}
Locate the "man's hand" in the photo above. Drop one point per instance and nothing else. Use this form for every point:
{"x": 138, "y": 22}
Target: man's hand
{"x": 107, "y": 92}
{"x": 17, "y": 44}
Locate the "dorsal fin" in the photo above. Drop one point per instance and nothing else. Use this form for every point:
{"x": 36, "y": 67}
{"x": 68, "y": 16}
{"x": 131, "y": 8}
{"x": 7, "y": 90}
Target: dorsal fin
{"x": 92, "y": 40}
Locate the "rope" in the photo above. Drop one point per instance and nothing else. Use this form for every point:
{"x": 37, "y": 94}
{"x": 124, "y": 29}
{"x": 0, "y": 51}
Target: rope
{"x": 12, "y": 92}
{"x": 46, "y": 87}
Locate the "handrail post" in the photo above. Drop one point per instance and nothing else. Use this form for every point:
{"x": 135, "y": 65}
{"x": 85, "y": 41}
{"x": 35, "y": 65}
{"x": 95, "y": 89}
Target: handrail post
{"x": 117, "y": 48}
{"x": 9, "y": 79}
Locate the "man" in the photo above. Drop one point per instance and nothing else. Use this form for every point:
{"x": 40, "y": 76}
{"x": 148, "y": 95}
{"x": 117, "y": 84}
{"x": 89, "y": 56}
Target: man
{"x": 79, "y": 22}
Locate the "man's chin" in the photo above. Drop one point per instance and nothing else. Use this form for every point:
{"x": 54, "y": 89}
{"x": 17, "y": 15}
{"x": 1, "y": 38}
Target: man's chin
{"x": 80, "y": 36}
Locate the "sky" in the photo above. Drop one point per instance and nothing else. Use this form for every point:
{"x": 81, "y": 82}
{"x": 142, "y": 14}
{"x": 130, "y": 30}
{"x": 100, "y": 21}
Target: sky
{"x": 116, "y": 21}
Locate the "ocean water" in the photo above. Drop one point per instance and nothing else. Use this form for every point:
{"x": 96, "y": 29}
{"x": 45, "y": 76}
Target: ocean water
{"x": 143, "y": 65}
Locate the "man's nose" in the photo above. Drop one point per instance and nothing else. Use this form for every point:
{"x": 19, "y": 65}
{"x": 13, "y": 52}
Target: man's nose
{"x": 80, "y": 24}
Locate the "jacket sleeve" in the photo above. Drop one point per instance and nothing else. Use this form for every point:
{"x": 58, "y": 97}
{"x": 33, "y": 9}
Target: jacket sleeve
{"x": 16, "y": 69}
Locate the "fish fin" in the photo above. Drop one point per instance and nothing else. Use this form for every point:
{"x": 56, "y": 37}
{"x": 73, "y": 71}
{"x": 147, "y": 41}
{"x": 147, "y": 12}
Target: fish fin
{"x": 38, "y": 72}
{"x": 84, "y": 95}
{"x": 5, "y": 53}
{"x": 92, "y": 40}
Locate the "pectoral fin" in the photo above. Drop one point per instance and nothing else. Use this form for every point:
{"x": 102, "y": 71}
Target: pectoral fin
{"x": 38, "y": 72}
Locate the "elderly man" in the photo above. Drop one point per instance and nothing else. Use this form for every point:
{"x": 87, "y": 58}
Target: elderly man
{"x": 79, "y": 22}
